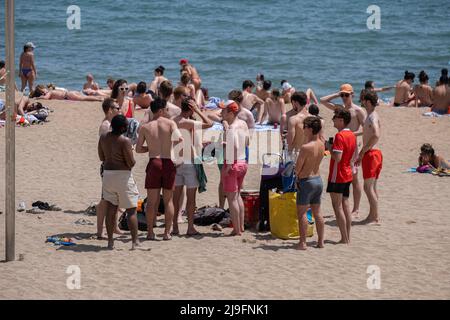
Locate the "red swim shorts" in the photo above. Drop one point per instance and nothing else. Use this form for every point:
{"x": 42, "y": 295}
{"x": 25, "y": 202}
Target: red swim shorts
{"x": 160, "y": 173}
{"x": 372, "y": 162}
{"x": 233, "y": 178}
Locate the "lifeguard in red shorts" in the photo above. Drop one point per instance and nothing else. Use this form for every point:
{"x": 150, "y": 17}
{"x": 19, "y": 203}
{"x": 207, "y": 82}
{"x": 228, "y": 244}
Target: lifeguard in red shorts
{"x": 370, "y": 157}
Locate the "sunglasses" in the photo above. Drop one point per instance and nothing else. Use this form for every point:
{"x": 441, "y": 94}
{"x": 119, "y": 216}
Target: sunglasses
{"x": 123, "y": 89}
{"x": 345, "y": 95}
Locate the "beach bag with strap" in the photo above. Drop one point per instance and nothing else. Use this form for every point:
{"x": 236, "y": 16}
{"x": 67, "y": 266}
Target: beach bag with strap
{"x": 207, "y": 215}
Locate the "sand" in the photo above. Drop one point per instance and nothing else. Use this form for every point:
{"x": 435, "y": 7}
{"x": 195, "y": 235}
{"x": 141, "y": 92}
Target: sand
{"x": 57, "y": 162}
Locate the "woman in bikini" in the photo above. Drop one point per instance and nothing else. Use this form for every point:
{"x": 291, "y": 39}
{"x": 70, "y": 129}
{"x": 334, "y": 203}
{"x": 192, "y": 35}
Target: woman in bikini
{"x": 423, "y": 91}
{"x": 28, "y": 71}
{"x": 429, "y": 157}
{"x": 142, "y": 98}
{"x": 185, "y": 82}
{"x": 120, "y": 94}
{"x": 159, "y": 78}
{"x": 44, "y": 93}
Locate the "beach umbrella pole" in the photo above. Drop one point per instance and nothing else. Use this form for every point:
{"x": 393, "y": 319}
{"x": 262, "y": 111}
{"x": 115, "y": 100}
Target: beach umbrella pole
{"x": 10, "y": 134}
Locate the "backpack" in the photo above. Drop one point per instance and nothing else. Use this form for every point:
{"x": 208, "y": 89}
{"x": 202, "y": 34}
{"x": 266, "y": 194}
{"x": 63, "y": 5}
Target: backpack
{"x": 142, "y": 222}
{"x": 207, "y": 215}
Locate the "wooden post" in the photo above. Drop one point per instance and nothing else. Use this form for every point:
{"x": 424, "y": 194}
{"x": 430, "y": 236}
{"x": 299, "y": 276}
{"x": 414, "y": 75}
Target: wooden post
{"x": 10, "y": 186}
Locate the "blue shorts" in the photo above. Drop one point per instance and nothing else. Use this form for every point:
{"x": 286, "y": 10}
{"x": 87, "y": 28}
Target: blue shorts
{"x": 309, "y": 190}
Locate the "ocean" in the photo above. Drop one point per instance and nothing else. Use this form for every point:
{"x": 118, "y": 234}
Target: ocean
{"x": 312, "y": 44}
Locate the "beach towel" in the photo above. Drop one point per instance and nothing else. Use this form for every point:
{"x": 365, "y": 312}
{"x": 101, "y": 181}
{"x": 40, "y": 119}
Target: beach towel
{"x": 132, "y": 132}
{"x": 213, "y": 103}
{"x": 434, "y": 114}
{"x": 201, "y": 176}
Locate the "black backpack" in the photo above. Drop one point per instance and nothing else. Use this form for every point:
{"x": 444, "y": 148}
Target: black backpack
{"x": 207, "y": 215}
{"x": 142, "y": 220}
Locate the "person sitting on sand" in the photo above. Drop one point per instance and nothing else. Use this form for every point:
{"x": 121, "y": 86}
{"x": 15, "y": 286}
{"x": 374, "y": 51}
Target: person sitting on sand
{"x": 370, "y": 85}
{"x": 91, "y": 88}
{"x": 423, "y": 92}
{"x": 142, "y": 98}
{"x": 429, "y": 157}
{"x": 308, "y": 180}
{"x": 28, "y": 72}
{"x": 120, "y": 94}
{"x": 159, "y": 134}
{"x": 250, "y": 101}
{"x": 404, "y": 96}
{"x": 41, "y": 92}
{"x": 288, "y": 91}
{"x": 264, "y": 92}
{"x": 22, "y": 107}
{"x": 110, "y": 83}
{"x": 119, "y": 188}
{"x": 193, "y": 74}
{"x": 159, "y": 78}
{"x": 274, "y": 109}
{"x": 441, "y": 95}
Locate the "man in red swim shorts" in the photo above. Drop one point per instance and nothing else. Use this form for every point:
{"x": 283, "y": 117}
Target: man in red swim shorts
{"x": 370, "y": 157}
{"x": 159, "y": 134}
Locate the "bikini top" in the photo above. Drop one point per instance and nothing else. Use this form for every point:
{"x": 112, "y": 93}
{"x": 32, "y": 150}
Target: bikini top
{"x": 129, "y": 113}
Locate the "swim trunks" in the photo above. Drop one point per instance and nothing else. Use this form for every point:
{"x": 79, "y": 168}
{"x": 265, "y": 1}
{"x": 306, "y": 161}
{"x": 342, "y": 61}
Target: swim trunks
{"x": 160, "y": 173}
{"x": 372, "y": 163}
{"x": 343, "y": 188}
{"x": 120, "y": 189}
{"x": 186, "y": 176}
{"x": 309, "y": 190}
{"x": 233, "y": 180}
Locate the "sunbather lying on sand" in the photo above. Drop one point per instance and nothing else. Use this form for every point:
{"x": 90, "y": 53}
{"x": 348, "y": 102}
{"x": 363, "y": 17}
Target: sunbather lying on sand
{"x": 429, "y": 157}
{"x": 59, "y": 94}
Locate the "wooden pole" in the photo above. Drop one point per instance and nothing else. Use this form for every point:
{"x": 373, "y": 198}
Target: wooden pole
{"x": 10, "y": 187}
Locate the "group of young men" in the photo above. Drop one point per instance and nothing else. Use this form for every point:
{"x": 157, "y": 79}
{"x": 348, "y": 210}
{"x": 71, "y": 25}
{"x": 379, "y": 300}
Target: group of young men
{"x": 174, "y": 144}
{"x": 351, "y": 121}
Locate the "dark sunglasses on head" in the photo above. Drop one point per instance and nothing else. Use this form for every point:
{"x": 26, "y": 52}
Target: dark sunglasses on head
{"x": 345, "y": 95}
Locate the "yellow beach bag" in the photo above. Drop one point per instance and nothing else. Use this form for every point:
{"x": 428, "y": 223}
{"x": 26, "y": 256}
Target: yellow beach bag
{"x": 283, "y": 216}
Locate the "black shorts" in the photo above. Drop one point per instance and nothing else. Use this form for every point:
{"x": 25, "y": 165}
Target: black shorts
{"x": 343, "y": 188}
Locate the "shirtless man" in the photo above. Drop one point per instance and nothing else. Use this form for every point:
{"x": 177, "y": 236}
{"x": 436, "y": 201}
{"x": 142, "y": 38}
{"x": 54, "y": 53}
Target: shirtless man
{"x": 165, "y": 91}
{"x": 264, "y": 92}
{"x": 142, "y": 98}
{"x": 441, "y": 96}
{"x": 110, "y": 109}
{"x": 370, "y": 85}
{"x": 58, "y": 94}
{"x": 370, "y": 157}
{"x": 423, "y": 92}
{"x": 236, "y": 140}
{"x": 295, "y": 134}
{"x": 28, "y": 72}
{"x": 159, "y": 134}
{"x": 90, "y": 83}
{"x": 288, "y": 91}
{"x": 358, "y": 116}
{"x": 91, "y": 88}
{"x": 274, "y": 109}
{"x": 251, "y": 101}
{"x": 309, "y": 182}
{"x": 118, "y": 185}
{"x": 192, "y": 71}
{"x": 244, "y": 114}
{"x": 404, "y": 97}
{"x": 186, "y": 172}
{"x": 159, "y": 78}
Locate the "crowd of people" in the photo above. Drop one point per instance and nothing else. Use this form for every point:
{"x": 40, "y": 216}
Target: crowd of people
{"x": 171, "y": 135}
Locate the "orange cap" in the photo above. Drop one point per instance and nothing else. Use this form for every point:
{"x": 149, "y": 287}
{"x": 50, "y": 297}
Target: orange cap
{"x": 346, "y": 87}
{"x": 230, "y": 105}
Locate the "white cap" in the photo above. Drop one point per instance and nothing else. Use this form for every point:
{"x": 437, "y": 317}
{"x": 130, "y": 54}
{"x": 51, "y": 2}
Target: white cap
{"x": 30, "y": 45}
{"x": 286, "y": 86}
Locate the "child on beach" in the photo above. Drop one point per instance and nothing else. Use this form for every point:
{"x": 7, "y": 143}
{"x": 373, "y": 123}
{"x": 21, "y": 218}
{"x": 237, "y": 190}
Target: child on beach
{"x": 28, "y": 72}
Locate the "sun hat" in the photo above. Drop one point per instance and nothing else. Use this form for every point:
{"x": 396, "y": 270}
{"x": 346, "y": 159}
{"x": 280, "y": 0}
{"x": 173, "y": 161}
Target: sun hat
{"x": 30, "y": 45}
{"x": 347, "y": 88}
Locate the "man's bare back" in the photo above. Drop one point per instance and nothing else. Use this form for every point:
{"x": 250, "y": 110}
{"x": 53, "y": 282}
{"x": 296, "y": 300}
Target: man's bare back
{"x": 249, "y": 100}
{"x": 441, "y": 98}
{"x": 274, "y": 109}
{"x": 311, "y": 154}
{"x": 402, "y": 92}
{"x": 116, "y": 152}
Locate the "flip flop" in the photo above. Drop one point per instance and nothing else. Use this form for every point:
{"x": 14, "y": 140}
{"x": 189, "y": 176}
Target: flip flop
{"x": 167, "y": 238}
{"x": 152, "y": 238}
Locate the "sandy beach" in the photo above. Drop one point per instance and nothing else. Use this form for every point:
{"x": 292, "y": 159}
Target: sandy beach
{"x": 57, "y": 162}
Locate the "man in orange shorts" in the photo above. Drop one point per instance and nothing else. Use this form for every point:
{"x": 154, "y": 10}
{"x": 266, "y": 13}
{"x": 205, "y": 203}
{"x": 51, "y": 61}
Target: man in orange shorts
{"x": 370, "y": 157}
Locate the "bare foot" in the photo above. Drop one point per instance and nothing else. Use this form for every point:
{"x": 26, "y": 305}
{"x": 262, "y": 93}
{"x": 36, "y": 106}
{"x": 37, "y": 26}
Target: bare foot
{"x": 151, "y": 236}
{"x": 301, "y": 246}
{"x": 134, "y": 245}
{"x": 167, "y": 237}
{"x": 101, "y": 237}
{"x": 234, "y": 234}
{"x": 342, "y": 241}
{"x": 371, "y": 221}
{"x": 192, "y": 232}
{"x": 319, "y": 245}
{"x": 355, "y": 214}
{"x": 175, "y": 233}
{"x": 111, "y": 245}
{"x": 117, "y": 231}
